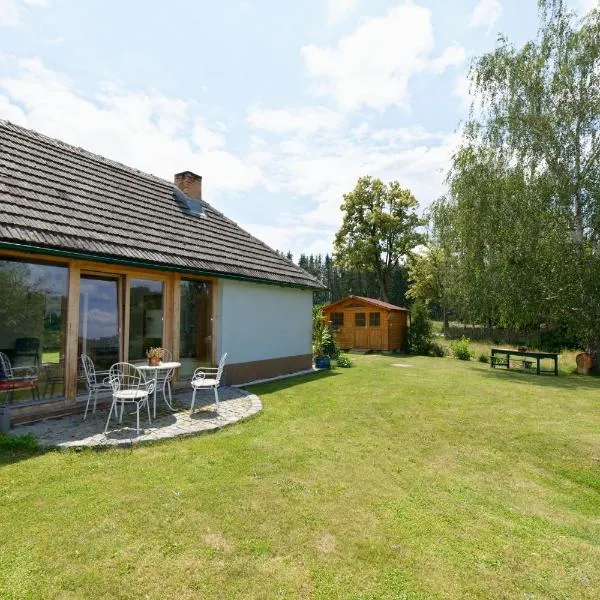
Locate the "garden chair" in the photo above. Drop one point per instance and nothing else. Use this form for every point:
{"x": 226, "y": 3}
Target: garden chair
{"x": 129, "y": 386}
{"x": 17, "y": 378}
{"x": 92, "y": 383}
{"x": 207, "y": 378}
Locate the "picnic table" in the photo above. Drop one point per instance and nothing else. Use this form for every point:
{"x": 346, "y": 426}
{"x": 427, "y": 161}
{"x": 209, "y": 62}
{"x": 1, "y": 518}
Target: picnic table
{"x": 501, "y": 357}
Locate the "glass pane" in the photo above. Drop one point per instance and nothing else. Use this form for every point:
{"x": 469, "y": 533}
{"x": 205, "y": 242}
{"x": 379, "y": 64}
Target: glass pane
{"x": 195, "y": 326}
{"x": 360, "y": 320}
{"x": 374, "y": 319}
{"x": 33, "y": 317}
{"x": 99, "y": 321}
{"x": 145, "y": 317}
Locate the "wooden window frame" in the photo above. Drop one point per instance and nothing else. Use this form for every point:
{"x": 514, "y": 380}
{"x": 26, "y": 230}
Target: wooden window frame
{"x": 364, "y": 324}
{"x": 337, "y": 323}
{"x": 375, "y": 314}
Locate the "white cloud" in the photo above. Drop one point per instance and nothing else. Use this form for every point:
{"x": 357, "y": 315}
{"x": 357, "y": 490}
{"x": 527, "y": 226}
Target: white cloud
{"x": 12, "y": 11}
{"x": 326, "y": 165}
{"x": 373, "y": 65}
{"x": 462, "y": 90}
{"x": 587, "y": 5}
{"x": 306, "y": 120}
{"x": 338, "y": 10}
{"x": 451, "y": 57}
{"x": 151, "y": 132}
{"x": 486, "y": 13}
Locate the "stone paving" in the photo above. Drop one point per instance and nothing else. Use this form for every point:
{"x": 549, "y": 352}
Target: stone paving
{"x": 72, "y": 431}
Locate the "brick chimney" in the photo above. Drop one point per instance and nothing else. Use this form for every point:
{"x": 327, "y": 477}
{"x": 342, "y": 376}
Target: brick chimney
{"x": 190, "y": 184}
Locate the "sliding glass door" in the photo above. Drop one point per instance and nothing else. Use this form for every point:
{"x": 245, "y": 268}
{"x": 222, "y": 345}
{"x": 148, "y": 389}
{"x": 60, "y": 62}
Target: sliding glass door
{"x": 145, "y": 317}
{"x": 195, "y": 326}
{"x": 99, "y": 320}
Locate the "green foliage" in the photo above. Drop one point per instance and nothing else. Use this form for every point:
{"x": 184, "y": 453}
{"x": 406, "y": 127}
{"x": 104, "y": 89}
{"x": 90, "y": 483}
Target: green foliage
{"x": 323, "y": 342}
{"x": 484, "y": 357}
{"x": 342, "y": 282}
{"x": 421, "y": 329}
{"x": 379, "y": 228}
{"x": 18, "y": 443}
{"x": 521, "y": 223}
{"x": 344, "y": 361}
{"x": 461, "y": 349}
{"x": 436, "y": 350}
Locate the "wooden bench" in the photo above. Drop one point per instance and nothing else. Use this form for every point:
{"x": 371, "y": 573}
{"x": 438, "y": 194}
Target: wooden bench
{"x": 501, "y": 357}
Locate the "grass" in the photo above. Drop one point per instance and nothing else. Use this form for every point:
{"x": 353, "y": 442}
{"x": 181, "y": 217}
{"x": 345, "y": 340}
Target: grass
{"x": 442, "y": 479}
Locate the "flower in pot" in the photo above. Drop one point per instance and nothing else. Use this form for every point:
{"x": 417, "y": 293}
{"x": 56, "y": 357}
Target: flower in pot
{"x": 154, "y": 356}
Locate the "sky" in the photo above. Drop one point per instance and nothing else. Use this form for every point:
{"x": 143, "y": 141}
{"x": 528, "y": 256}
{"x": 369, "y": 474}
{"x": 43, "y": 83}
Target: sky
{"x": 280, "y": 106}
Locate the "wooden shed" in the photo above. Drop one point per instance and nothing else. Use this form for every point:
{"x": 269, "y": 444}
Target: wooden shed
{"x": 368, "y": 324}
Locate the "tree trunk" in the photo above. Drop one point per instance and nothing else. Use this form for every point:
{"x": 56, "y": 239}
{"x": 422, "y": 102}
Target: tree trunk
{"x": 446, "y": 320}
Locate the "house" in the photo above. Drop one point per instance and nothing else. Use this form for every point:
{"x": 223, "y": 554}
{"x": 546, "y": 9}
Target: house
{"x": 102, "y": 259}
{"x": 368, "y": 324}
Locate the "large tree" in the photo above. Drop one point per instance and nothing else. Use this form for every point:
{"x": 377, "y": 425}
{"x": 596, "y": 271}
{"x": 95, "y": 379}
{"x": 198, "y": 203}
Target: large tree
{"x": 521, "y": 222}
{"x": 379, "y": 229}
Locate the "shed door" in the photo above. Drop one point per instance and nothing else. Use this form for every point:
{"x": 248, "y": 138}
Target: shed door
{"x": 361, "y": 332}
{"x": 375, "y": 330}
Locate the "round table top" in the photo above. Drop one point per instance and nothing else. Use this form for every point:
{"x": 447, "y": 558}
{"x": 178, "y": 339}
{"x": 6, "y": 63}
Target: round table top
{"x": 163, "y": 365}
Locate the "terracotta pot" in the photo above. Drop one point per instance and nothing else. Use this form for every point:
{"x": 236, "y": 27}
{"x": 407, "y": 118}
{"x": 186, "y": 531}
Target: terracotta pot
{"x": 154, "y": 362}
{"x": 584, "y": 363}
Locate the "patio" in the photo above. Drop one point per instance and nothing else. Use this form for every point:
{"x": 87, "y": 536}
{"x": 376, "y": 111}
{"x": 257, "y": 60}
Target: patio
{"x": 73, "y": 432}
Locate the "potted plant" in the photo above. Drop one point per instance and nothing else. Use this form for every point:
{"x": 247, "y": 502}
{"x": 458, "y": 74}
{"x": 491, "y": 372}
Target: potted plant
{"x": 325, "y": 347}
{"x": 154, "y": 356}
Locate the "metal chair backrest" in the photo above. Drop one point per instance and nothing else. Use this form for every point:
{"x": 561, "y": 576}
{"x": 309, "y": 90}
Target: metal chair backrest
{"x": 125, "y": 376}
{"x": 221, "y": 367}
{"x": 5, "y": 367}
{"x": 89, "y": 370}
{"x": 167, "y": 356}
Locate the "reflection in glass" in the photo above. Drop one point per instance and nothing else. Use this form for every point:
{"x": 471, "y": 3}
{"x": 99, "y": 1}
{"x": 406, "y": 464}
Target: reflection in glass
{"x": 99, "y": 320}
{"x": 33, "y": 317}
{"x": 145, "y": 317}
{"x": 195, "y": 326}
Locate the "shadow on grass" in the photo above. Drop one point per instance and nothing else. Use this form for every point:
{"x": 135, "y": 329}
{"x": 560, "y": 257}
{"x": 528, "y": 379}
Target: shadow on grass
{"x": 563, "y": 380}
{"x": 14, "y": 449}
{"x": 282, "y": 384}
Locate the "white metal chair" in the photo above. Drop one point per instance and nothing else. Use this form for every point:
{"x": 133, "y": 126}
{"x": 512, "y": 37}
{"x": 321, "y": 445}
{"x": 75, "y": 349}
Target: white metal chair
{"x": 207, "y": 378}
{"x": 92, "y": 383}
{"x": 129, "y": 386}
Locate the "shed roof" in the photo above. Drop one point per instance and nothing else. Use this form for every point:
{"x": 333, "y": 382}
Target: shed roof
{"x": 373, "y": 301}
{"x": 54, "y": 196}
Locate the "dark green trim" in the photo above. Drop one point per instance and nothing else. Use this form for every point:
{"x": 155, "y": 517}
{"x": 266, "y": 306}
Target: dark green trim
{"x": 144, "y": 264}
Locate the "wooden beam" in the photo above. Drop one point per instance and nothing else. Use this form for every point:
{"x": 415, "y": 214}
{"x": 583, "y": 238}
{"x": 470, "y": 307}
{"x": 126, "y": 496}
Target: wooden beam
{"x": 71, "y": 358}
{"x": 216, "y": 322}
{"x": 175, "y": 319}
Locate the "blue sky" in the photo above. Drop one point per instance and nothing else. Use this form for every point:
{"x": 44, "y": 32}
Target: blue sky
{"x": 280, "y": 106}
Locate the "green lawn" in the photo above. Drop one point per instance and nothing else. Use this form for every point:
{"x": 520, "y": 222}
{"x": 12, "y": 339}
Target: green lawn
{"x": 438, "y": 480}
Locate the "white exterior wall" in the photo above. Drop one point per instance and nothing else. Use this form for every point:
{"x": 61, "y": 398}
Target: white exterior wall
{"x": 260, "y": 322}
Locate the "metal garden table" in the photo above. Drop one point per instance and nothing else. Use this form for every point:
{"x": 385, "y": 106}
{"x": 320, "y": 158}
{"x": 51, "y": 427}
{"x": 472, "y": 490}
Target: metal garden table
{"x": 164, "y": 366}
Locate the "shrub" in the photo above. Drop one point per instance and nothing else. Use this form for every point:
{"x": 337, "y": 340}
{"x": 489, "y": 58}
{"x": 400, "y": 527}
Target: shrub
{"x": 421, "y": 330}
{"x": 344, "y": 361}
{"x": 324, "y": 343}
{"x": 460, "y": 348}
{"x": 437, "y": 350}
{"x": 483, "y": 358}
{"x": 18, "y": 442}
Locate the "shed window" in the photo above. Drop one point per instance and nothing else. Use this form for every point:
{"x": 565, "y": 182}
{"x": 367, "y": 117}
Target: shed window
{"x": 360, "y": 319}
{"x": 337, "y": 319}
{"x": 374, "y": 319}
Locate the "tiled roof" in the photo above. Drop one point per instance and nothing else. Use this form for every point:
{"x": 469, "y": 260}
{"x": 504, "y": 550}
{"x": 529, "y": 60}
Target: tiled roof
{"x": 379, "y": 303}
{"x": 57, "y": 196}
